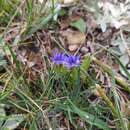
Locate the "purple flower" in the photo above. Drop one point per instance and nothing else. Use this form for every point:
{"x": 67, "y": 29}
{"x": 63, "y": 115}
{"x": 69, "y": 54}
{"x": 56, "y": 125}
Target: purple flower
{"x": 72, "y": 61}
{"x": 68, "y": 61}
{"x": 58, "y": 58}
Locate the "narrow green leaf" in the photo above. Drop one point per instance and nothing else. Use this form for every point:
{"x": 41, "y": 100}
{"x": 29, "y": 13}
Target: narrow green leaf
{"x": 33, "y": 126}
{"x": 89, "y": 118}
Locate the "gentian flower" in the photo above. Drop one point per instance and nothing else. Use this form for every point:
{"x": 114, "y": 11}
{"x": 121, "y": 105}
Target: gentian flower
{"x": 58, "y": 58}
{"x": 72, "y": 61}
{"x": 68, "y": 61}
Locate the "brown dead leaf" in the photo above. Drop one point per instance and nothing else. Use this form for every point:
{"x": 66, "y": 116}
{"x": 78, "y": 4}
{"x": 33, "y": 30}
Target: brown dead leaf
{"x": 74, "y": 37}
{"x": 11, "y": 35}
{"x": 74, "y": 17}
{"x": 125, "y": 107}
{"x": 64, "y": 23}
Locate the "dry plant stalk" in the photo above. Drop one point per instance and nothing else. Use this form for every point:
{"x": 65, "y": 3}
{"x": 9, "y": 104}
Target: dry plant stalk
{"x": 120, "y": 81}
{"x": 106, "y": 99}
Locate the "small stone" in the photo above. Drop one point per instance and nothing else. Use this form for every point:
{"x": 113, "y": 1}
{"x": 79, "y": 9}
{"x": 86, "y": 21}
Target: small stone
{"x": 73, "y": 47}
